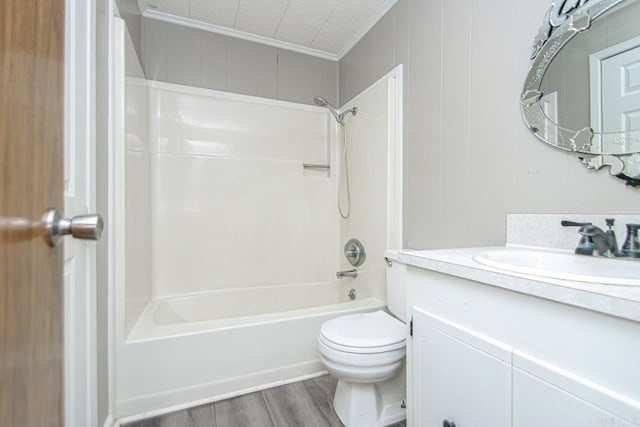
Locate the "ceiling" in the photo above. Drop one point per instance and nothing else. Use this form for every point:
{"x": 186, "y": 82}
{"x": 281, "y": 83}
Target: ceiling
{"x": 325, "y": 28}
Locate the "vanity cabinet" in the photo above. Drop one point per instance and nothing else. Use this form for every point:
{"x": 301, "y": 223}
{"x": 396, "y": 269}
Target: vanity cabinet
{"x": 538, "y": 403}
{"x": 482, "y": 356}
{"x": 446, "y": 360}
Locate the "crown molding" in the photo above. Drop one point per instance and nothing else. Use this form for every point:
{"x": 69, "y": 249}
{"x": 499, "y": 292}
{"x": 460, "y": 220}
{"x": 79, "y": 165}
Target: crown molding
{"x": 230, "y": 32}
{"x": 386, "y": 7}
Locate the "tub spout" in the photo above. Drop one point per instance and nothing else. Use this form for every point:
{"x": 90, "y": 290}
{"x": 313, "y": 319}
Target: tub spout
{"x": 348, "y": 273}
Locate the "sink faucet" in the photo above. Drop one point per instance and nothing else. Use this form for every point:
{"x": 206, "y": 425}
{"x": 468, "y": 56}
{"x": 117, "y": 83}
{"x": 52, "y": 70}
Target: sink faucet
{"x": 595, "y": 241}
{"x": 601, "y": 240}
{"x": 586, "y": 245}
{"x": 348, "y": 273}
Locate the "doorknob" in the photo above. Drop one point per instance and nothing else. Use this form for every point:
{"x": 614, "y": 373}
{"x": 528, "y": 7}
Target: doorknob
{"x": 87, "y": 227}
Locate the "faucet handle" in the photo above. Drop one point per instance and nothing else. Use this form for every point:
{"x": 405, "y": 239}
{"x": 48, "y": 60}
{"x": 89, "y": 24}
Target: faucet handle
{"x": 631, "y": 246}
{"x": 585, "y": 245}
{"x": 612, "y": 240}
{"x": 565, "y": 223}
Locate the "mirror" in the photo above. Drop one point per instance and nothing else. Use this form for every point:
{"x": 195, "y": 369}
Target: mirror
{"x": 582, "y": 93}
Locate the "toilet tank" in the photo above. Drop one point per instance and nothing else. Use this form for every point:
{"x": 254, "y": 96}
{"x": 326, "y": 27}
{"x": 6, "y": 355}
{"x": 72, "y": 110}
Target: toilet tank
{"x": 396, "y": 286}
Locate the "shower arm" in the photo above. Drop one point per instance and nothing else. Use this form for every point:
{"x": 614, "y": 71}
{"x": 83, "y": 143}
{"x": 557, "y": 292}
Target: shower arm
{"x": 353, "y": 110}
{"x": 322, "y": 102}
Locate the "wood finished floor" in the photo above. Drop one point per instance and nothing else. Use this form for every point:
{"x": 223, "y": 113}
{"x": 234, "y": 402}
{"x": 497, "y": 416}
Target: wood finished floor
{"x": 303, "y": 404}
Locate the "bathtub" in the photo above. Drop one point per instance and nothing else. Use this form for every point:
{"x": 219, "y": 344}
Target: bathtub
{"x": 199, "y": 348}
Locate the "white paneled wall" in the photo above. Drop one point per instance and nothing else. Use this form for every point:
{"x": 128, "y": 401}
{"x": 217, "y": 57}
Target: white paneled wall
{"x": 469, "y": 158}
{"x": 177, "y": 54}
{"x": 232, "y": 205}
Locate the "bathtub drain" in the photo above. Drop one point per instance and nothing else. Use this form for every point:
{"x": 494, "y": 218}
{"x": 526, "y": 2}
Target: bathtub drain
{"x": 352, "y": 294}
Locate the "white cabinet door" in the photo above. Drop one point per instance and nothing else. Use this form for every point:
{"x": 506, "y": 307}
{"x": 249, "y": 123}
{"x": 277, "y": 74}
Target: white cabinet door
{"x": 544, "y": 395}
{"x": 458, "y": 375}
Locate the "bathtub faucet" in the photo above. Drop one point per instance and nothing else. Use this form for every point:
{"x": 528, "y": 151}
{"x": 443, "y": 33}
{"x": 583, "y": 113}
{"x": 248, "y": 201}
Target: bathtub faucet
{"x": 348, "y": 273}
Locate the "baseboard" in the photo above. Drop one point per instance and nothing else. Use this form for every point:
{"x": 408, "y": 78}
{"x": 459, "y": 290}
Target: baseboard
{"x": 311, "y": 370}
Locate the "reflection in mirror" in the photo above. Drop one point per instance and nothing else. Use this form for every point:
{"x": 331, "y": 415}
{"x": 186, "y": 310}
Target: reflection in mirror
{"x": 596, "y": 76}
{"x": 582, "y": 93}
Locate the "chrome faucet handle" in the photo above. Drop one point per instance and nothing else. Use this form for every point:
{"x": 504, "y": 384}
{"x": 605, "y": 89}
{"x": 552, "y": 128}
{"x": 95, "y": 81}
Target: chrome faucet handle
{"x": 566, "y": 223}
{"x": 585, "y": 245}
{"x": 631, "y": 246}
{"x": 354, "y": 252}
{"x": 599, "y": 238}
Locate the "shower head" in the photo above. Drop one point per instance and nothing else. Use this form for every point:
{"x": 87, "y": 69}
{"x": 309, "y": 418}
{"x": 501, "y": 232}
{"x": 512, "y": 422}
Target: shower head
{"x": 322, "y": 102}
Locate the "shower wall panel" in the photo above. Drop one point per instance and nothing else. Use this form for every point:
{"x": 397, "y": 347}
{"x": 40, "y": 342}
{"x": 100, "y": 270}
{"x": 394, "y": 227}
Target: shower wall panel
{"x": 233, "y": 206}
{"x": 137, "y": 187}
{"x": 375, "y": 156}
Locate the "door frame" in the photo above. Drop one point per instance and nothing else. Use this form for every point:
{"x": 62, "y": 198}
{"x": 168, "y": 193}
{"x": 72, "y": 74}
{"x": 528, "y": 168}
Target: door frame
{"x": 80, "y": 349}
{"x": 595, "y": 77}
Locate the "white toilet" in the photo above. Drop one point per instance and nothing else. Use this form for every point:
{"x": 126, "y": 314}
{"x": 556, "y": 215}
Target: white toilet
{"x": 366, "y": 352}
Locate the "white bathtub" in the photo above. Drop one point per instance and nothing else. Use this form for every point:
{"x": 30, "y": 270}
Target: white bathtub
{"x": 200, "y": 348}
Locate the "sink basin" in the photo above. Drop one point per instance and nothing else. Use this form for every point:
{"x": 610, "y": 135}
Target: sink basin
{"x": 563, "y": 265}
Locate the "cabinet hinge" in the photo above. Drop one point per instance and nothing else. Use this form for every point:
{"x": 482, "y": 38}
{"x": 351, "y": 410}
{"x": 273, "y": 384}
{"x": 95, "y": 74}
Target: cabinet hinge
{"x": 411, "y": 327}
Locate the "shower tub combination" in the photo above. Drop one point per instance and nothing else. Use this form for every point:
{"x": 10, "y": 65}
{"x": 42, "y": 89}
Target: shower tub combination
{"x": 226, "y": 250}
{"x": 209, "y": 347}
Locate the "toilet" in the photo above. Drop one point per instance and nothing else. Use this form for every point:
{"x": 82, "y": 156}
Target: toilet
{"x": 366, "y": 353}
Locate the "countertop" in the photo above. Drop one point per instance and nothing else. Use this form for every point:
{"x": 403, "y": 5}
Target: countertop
{"x": 614, "y": 300}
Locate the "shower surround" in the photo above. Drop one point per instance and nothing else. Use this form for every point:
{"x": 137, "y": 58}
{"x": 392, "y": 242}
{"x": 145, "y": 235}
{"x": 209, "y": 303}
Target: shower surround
{"x": 227, "y": 245}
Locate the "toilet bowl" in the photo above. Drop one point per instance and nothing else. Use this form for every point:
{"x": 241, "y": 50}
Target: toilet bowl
{"x": 366, "y": 353}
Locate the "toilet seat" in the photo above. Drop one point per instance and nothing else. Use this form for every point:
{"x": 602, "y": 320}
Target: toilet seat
{"x": 363, "y": 333}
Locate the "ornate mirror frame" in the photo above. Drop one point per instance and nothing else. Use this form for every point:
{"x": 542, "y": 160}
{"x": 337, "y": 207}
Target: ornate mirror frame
{"x": 620, "y": 151}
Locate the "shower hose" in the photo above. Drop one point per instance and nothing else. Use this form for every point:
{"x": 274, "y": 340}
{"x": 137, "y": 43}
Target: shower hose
{"x": 344, "y": 177}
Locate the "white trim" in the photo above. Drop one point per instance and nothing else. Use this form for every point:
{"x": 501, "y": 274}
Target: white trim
{"x": 364, "y": 30}
{"x": 80, "y": 341}
{"x": 394, "y": 73}
{"x": 180, "y": 407}
{"x": 230, "y": 32}
{"x": 397, "y": 204}
{"x": 595, "y": 80}
{"x": 111, "y": 207}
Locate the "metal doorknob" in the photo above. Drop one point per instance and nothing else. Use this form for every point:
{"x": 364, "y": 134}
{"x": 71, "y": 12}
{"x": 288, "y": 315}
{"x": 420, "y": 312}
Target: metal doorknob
{"x": 87, "y": 227}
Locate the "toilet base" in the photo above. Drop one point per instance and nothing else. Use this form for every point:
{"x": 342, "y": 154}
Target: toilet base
{"x": 363, "y": 405}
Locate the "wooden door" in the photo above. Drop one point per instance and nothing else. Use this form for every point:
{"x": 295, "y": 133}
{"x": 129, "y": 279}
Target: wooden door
{"x": 31, "y": 180}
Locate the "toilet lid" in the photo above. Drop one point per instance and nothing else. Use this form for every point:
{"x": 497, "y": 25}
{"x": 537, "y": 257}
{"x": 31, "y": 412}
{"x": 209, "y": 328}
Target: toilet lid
{"x": 364, "y": 330}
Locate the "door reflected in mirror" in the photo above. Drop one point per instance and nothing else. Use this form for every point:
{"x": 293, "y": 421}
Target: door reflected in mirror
{"x": 582, "y": 92}
{"x": 596, "y": 75}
